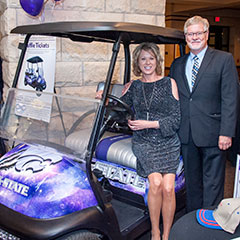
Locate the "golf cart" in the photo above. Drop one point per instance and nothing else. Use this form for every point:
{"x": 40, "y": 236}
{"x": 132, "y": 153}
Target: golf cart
{"x": 73, "y": 175}
{"x": 34, "y": 74}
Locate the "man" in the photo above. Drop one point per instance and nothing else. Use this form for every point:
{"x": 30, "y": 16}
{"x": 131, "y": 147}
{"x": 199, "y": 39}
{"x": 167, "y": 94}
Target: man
{"x": 208, "y": 90}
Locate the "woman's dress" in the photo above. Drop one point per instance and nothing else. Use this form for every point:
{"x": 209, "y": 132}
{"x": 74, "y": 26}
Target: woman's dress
{"x": 157, "y": 150}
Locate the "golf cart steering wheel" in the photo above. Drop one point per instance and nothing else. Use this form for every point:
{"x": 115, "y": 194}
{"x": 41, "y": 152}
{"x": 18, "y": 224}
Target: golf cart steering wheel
{"x": 120, "y": 107}
{"x": 116, "y": 116}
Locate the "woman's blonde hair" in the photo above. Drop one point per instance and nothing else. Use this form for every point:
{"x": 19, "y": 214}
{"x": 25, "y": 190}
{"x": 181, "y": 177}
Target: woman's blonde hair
{"x": 154, "y": 49}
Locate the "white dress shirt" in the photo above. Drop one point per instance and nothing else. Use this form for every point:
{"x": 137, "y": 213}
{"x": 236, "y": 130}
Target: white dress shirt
{"x": 190, "y": 63}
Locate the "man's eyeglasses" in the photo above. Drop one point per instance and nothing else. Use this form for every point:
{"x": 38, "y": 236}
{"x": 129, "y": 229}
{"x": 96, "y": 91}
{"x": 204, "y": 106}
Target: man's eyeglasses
{"x": 198, "y": 34}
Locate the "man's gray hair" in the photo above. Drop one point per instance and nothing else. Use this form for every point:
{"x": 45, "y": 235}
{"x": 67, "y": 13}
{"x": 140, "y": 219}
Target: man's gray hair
{"x": 196, "y": 20}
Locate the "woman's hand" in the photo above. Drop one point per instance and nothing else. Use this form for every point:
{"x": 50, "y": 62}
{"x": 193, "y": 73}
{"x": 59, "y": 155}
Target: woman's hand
{"x": 99, "y": 94}
{"x": 142, "y": 124}
{"x": 126, "y": 87}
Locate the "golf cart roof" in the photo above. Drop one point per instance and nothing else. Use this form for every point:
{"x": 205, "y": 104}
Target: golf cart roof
{"x": 132, "y": 33}
{"x": 36, "y": 59}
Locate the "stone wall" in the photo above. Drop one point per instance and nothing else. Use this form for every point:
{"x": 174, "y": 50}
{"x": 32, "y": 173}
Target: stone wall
{"x": 80, "y": 64}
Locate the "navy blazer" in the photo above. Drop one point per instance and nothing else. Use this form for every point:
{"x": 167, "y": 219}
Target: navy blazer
{"x": 211, "y": 108}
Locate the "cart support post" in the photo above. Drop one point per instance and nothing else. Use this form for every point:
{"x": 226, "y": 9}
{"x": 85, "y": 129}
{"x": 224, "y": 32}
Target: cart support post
{"x": 23, "y": 47}
{"x": 95, "y": 135}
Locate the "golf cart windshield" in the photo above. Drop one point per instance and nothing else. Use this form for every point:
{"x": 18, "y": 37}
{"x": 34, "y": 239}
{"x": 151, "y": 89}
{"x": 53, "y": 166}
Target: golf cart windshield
{"x": 47, "y": 120}
{"x": 117, "y": 33}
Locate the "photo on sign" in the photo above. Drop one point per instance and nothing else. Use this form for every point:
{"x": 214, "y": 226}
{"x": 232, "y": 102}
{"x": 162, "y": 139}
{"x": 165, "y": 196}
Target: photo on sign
{"x": 37, "y": 77}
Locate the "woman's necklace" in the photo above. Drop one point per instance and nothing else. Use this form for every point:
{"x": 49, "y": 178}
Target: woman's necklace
{"x": 145, "y": 99}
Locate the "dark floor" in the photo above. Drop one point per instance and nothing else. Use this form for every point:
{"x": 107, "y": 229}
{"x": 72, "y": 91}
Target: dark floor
{"x": 229, "y": 180}
{"x": 228, "y": 190}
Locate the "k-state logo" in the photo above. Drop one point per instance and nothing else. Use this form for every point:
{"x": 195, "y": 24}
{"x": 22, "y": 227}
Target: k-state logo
{"x": 25, "y": 159}
{"x": 34, "y": 163}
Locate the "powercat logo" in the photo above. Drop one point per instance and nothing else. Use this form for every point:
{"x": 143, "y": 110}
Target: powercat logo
{"x": 29, "y": 159}
{"x": 24, "y": 160}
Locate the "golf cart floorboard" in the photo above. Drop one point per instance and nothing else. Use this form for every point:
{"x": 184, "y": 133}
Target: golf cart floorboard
{"x": 127, "y": 214}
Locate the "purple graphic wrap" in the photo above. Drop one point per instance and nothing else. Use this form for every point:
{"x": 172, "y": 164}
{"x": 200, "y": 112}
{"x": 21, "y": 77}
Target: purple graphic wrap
{"x": 127, "y": 178}
{"x": 41, "y": 182}
{"x": 122, "y": 177}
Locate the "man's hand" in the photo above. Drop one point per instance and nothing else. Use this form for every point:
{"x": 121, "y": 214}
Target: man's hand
{"x": 224, "y": 142}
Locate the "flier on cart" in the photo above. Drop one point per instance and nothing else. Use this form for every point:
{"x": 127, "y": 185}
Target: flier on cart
{"x": 37, "y": 74}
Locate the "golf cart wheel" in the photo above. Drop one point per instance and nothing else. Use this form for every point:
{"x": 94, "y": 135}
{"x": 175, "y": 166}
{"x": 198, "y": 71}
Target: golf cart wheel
{"x": 84, "y": 236}
{"x": 38, "y": 90}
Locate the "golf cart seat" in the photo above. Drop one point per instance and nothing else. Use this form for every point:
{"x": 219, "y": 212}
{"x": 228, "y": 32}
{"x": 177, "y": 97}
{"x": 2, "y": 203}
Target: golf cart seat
{"x": 117, "y": 149}
{"x": 113, "y": 147}
{"x": 116, "y": 89}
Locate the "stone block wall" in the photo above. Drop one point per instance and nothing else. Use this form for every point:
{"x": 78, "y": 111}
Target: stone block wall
{"x": 81, "y": 64}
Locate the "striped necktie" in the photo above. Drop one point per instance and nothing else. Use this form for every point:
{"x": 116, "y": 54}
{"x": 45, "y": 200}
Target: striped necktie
{"x": 195, "y": 69}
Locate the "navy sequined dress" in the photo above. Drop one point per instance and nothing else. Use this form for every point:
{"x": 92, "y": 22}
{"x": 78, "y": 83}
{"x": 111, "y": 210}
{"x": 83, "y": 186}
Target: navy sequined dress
{"x": 157, "y": 150}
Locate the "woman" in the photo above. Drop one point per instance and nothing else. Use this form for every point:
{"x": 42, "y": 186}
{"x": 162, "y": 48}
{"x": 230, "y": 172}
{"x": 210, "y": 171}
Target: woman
{"x": 155, "y": 141}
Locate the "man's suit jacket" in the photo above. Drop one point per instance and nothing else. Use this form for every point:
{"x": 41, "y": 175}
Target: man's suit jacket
{"x": 211, "y": 108}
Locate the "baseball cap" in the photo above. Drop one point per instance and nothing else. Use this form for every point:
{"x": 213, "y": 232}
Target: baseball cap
{"x": 226, "y": 216}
